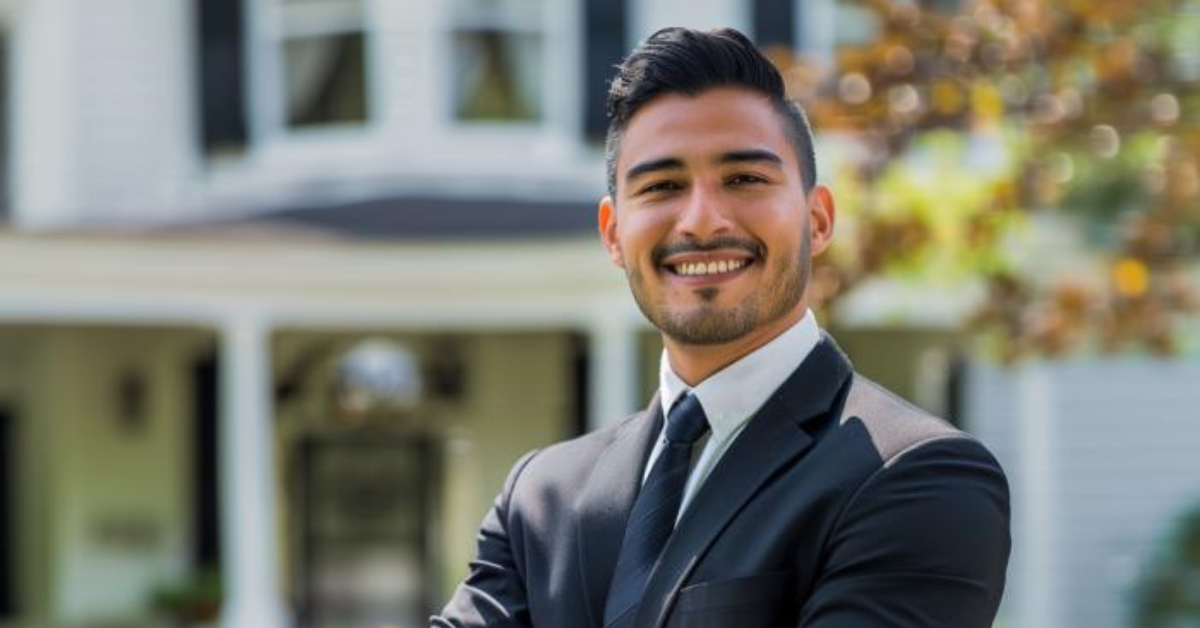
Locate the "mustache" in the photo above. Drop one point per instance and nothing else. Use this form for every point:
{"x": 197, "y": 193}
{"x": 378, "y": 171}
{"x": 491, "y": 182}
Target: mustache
{"x": 664, "y": 251}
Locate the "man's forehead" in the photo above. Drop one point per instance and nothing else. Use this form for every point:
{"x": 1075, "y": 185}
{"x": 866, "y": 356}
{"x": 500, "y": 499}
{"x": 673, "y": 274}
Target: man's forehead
{"x": 702, "y": 128}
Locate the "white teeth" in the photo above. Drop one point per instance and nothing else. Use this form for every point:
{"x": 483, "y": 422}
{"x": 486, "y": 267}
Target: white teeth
{"x": 709, "y": 268}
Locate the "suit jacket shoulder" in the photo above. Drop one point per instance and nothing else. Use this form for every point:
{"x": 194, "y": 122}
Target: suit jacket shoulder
{"x": 557, "y": 472}
{"x": 894, "y": 425}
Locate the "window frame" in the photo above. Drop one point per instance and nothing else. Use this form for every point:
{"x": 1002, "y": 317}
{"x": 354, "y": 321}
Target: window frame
{"x": 271, "y": 24}
{"x": 412, "y": 129}
{"x": 559, "y": 117}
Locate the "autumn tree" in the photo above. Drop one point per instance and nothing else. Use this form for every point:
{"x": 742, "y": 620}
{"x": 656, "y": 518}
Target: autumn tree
{"x": 974, "y": 130}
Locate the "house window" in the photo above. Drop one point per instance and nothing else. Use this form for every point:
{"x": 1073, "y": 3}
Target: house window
{"x": 497, "y": 60}
{"x": 322, "y": 48}
{"x": 306, "y": 68}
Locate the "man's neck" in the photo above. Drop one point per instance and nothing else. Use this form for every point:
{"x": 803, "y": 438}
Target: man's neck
{"x": 695, "y": 363}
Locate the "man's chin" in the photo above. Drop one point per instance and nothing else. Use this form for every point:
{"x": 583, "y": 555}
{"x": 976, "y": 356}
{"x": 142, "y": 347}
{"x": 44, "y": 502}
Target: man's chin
{"x": 706, "y": 329}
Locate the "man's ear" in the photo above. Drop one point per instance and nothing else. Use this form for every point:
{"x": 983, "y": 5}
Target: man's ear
{"x": 821, "y": 214}
{"x": 608, "y": 231}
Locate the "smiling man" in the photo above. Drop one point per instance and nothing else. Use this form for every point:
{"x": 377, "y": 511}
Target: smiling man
{"x": 767, "y": 483}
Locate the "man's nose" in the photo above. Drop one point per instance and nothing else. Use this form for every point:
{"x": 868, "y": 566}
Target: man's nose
{"x": 704, "y": 213}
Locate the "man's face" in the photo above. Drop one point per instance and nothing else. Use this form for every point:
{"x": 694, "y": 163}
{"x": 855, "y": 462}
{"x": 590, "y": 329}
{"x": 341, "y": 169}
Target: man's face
{"x": 711, "y": 223}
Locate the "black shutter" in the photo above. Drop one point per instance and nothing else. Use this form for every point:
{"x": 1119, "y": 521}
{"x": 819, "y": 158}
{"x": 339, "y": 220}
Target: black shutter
{"x": 775, "y": 23}
{"x": 605, "y": 23}
{"x": 220, "y": 37}
{"x": 5, "y": 145}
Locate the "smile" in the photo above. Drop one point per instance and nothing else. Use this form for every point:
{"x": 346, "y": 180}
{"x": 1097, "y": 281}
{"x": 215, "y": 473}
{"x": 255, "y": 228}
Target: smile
{"x": 692, "y": 269}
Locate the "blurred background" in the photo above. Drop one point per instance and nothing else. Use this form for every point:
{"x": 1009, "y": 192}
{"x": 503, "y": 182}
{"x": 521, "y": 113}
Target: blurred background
{"x": 287, "y": 285}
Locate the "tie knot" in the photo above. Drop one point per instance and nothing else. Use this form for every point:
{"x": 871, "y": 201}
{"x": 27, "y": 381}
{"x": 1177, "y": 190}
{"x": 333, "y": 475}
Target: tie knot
{"x": 686, "y": 423}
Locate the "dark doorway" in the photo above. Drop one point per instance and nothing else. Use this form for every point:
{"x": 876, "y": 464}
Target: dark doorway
{"x": 206, "y": 548}
{"x": 580, "y": 368}
{"x": 8, "y": 513}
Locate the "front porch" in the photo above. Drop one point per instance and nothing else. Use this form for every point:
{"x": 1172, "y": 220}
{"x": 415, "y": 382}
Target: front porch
{"x": 176, "y": 412}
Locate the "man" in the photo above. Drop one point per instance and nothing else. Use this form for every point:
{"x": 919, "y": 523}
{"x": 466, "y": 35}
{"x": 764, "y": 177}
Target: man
{"x": 781, "y": 488}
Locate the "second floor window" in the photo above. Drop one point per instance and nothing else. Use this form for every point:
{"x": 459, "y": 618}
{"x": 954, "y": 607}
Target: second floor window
{"x": 497, "y": 48}
{"x": 322, "y": 53}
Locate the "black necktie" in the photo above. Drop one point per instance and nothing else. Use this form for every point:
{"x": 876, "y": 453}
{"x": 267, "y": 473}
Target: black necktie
{"x": 656, "y": 507}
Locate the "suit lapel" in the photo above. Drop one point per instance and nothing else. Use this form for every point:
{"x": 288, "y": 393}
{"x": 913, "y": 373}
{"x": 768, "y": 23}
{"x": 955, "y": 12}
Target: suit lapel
{"x": 606, "y": 500}
{"x": 772, "y": 439}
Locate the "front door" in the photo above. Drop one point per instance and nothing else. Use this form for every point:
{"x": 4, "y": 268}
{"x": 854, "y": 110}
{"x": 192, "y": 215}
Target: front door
{"x": 364, "y": 516}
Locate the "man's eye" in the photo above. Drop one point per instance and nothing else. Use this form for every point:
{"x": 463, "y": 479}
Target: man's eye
{"x": 745, "y": 179}
{"x": 661, "y": 186}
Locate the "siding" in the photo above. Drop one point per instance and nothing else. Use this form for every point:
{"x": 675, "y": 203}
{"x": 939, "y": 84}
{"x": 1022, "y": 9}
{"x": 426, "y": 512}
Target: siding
{"x": 1103, "y": 458}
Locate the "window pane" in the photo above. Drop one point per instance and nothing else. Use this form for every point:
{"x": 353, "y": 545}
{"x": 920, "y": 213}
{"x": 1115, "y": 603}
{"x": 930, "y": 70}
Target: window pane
{"x": 498, "y": 75}
{"x": 326, "y": 81}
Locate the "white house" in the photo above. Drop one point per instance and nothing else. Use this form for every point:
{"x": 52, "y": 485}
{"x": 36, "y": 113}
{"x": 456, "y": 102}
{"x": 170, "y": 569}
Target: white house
{"x": 214, "y": 211}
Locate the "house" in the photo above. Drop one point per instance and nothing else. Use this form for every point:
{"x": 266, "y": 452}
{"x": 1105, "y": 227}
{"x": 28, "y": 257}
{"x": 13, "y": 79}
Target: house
{"x": 287, "y": 285}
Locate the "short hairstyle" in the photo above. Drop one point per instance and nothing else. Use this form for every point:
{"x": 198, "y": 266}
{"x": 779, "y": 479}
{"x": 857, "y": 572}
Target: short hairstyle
{"x": 682, "y": 60}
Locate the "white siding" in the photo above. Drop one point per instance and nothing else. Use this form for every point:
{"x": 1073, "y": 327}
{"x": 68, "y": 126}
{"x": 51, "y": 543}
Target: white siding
{"x": 102, "y": 111}
{"x": 1098, "y": 489}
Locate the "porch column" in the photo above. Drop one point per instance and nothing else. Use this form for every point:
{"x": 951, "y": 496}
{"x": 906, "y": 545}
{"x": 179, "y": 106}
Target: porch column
{"x": 247, "y": 455}
{"x": 614, "y": 371}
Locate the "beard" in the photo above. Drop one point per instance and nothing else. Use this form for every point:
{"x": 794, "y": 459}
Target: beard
{"x": 710, "y": 323}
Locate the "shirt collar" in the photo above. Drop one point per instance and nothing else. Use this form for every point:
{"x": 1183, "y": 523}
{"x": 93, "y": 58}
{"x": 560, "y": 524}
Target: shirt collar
{"x": 733, "y": 394}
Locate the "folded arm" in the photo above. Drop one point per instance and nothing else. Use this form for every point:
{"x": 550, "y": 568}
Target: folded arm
{"x": 923, "y": 544}
{"x": 493, "y": 594}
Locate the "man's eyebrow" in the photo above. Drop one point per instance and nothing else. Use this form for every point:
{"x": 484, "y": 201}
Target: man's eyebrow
{"x": 750, "y": 155}
{"x": 646, "y": 167}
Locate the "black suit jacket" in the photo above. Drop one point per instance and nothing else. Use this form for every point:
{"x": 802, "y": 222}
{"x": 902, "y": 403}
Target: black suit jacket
{"x": 838, "y": 506}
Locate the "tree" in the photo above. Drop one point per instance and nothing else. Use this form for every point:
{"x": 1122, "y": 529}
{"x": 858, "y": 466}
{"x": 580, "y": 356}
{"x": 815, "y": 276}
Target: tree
{"x": 1089, "y": 112}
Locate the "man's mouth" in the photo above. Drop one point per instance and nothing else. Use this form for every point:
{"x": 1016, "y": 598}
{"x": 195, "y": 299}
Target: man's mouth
{"x": 721, "y": 256}
{"x": 711, "y": 267}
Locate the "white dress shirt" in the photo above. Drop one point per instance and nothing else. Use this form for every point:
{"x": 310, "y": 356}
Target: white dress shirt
{"x": 732, "y": 395}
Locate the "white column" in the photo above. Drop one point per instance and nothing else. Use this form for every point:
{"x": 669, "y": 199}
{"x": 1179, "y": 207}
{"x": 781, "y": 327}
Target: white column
{"x": 252, "y": 598}
{"x": 614, "y": 371}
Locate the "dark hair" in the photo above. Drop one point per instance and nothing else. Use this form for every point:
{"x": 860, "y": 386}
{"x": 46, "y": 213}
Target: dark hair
{"x": 682, "y": 60}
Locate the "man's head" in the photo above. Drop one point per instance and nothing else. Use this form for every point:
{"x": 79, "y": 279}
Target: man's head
{"x": 713, "y": 211}
{"x": 680, "y": 60}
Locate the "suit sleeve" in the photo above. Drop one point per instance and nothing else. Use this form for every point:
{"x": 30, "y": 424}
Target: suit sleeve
{"x": 923, "y": 544}
{"x": 493, "y": 593}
